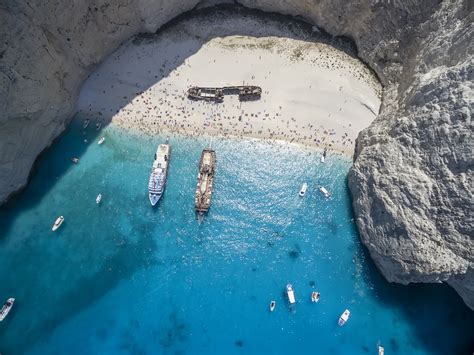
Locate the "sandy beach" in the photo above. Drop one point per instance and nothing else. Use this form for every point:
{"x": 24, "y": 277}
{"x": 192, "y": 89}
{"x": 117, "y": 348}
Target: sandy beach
{"x": 313, "y": 93}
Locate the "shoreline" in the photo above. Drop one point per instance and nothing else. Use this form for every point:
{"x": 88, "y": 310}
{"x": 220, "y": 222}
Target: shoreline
{"x": 314, "y": 95}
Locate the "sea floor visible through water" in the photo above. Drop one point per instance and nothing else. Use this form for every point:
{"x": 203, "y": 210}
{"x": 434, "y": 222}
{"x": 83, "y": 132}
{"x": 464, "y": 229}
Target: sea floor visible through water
{"x": 123, "y": 277}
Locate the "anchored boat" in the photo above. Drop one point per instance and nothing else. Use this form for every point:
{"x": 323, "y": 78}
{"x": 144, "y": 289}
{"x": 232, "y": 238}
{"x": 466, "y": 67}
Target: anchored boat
{"x": 325, "y": 192}
{"x": 98, "y": 198}
{"x": 344, "y": 317}
{"x": 303, "y": 189}
{"x": 315, "y": 296}
{"x": 6, "y": 308}
{"x": 207, "y": 164}
{"x": 57, "y": 223}
{"x": 102, "y": 140}
{"x": 272, "y": 306}
{"x": 159, "y": 171}
{"x": 290, "y": 293}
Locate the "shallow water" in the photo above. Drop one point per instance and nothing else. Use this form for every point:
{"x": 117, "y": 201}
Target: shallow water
{"x": 125, "y": 278}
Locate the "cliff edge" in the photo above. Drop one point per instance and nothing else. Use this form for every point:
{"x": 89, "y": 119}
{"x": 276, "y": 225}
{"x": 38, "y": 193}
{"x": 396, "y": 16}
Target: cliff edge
{"x": 412, "y": 177}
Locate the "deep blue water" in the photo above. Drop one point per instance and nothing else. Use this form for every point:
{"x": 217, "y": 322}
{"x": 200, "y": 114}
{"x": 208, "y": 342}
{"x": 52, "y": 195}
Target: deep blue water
{"x": 125, "y": 278}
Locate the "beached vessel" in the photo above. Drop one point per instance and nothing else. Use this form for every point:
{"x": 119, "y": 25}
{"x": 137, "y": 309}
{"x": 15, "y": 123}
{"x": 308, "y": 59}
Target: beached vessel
{"x": 245, "y": 93}
{"x": 344, "y": 317}
{"x": 290, "y": 293}
{"x": 102, "y": 140}
{"x": 323, "y": 156}
{"x": 57, "y": 223}
{"x": 303, "y": 189}
{"x": 207, "y": 163}
{"x": 325, "y": 192}
{"x": 6, "y": 308}
{"x": 159, "y": 171}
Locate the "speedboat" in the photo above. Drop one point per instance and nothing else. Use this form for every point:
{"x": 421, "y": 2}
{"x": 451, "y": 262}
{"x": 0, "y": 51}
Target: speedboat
{"x": 75, "y": 160}
{"x": 325, "y": 192}
{"x": 272, "y": 306}
{"x": 315, "y": 296}
{"x": 102, "y": 140}
{"x": 58, "y": 223}
{"x": 344, "y": 317}
{"x": 303, "y": 189}
{"x": 381, "y": 350}
{"x": 290, "y": 293}
{"x": 6, "y": 308}
{"x": 86, "y": 123}
{"x": 159, "y": 171}
{"x": 323, "y": 157}
{"x": 98, "y": 198}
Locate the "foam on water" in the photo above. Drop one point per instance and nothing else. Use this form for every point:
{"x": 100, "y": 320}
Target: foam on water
{"x": 123, "y": 277}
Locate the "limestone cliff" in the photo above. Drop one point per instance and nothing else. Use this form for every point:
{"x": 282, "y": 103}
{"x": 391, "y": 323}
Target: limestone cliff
{"x": 412, "y": 177}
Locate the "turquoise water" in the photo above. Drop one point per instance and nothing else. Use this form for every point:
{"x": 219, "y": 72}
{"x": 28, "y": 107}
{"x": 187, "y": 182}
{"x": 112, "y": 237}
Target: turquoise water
{"x": 125, "y": 278}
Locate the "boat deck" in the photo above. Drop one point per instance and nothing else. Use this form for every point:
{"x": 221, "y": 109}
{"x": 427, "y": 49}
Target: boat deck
{"x": 245, "y": 92}
{"x": 207, "y": 163}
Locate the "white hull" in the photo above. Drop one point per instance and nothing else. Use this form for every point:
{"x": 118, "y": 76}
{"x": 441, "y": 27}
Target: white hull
{"x": 325, "y": 192}
{"x": 322, "y": 159}
{"x": 344, "y": 317}
{"x": 303, "y": 189}
{"x": 6, "y": 308}
{"x": 315, "y": 297}
{"x": 98, "y": 198}
{"x": 290, "y": 293}
{"x": 101, "y": 141}
{"x": 58, "y": 223}
{"x": 159, "y": 172}
{"x": 272, "y": 306}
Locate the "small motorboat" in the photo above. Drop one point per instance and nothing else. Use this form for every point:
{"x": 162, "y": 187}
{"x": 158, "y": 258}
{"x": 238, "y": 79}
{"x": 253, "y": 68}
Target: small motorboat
{"x": 344, "y": 317}
{"x": 303, "y": 189}
{"x": 381, "y": 350}
{"x": 315, "y": 296}
{"x": 58, "y": 223}
{"x": 102, "y": 140}
{"x": 98, "y": 198}
{"x": 272, "y": 306}
{"x": 6, "y": 308}
{"x": 75, "y": 160}
{"x": 86, "y": 123}
{"x": 323, "y": 157}
{"x": 325, "y": 192}
{"x": 98, "y": 125}
{"x": 290, "y": 293}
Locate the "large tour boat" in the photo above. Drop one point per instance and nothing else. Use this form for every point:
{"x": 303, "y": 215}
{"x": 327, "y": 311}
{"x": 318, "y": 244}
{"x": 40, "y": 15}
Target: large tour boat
{"x": 207, "y": 163}
{"x": 156, "y": 184}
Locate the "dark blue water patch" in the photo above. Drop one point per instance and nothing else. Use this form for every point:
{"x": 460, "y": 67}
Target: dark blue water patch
{"x": 124, "y": 277}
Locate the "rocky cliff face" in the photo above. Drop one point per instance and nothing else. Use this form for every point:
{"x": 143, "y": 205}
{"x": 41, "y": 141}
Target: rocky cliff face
{"x": 412, "y": 176}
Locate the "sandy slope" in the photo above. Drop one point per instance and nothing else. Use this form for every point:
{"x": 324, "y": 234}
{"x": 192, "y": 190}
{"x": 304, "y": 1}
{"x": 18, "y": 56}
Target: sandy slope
{"x": 313, "y": 93}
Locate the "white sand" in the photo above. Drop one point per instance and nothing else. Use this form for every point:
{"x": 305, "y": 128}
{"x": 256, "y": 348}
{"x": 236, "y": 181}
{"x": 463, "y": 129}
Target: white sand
{"x": 313, "y": 94}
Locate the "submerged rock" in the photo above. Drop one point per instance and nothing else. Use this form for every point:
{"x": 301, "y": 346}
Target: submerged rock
{"x": 412, "y": 176}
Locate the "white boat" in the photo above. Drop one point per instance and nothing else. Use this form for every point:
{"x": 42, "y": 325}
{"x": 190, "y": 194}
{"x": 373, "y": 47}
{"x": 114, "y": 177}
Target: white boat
{"x": 86, "y": 123}
{"x": 344, "y": 317}
{"x": 98, "y": 198}
{"x": 315, "y": 296}
{"x": 325, "y": 192}
{"x": 159, "y": 171}
{"x": 58, "y": 223}
{"x": 272, "y": 306}
{"x": 102, "y": 140}
{"x": 75, "y": 160}
{"x": 290, "y": 293}
{"x": 6, "y": 308}
{"x": 303, "y": 189}
{"x": 381, "y": 350}
{"x": 323, "y": 157}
